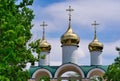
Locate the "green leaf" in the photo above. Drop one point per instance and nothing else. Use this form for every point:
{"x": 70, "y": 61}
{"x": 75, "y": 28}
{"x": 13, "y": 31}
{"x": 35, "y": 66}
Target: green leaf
{"x": 15, "y": 26}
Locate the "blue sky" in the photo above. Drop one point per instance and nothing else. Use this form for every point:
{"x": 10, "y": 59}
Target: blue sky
{"x": 105, "y": 12}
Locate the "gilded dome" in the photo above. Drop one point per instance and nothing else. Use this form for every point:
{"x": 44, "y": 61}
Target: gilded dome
{"x": 44, "y": 45}
{"x": 70, "y": 38}
{"x": 95, "y": 45}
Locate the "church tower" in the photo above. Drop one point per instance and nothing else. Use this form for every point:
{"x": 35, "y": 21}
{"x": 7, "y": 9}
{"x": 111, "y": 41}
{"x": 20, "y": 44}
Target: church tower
{"x": 95, "y": 48}
{"x": 45, "y": 49}
{"x": 69, "y": 41}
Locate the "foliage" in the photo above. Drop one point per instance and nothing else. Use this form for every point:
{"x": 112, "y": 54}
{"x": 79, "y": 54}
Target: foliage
{"x": 34, "y": 47}
{"x": 45, "y": 78}
{"x": 15, "y": 25}
{"x": 2, "y": 78}
{"x": 72, "y": 76}
{"x": 96, "y": 78}
{"x": 113, "y": 71}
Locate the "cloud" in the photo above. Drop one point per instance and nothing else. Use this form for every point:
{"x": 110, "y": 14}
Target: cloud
{"x": 109, "y": 48}
{"x": 85, "y": 12}
{"x": 106, "y": 12}
{"x": 82, "y": 54}
{"x": 56, "y": 52}
{"x": 109, "y": 53}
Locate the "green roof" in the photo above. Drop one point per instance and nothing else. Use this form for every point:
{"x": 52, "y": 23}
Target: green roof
{"x": 53, "y": 69}
{"x": 86, "y": 69}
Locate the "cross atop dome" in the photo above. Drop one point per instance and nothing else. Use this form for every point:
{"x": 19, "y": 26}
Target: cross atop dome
{"x": 95, "y": 24}
{"x": 69, "y": 38}
{"x": 95, "y": 45}
{"x": 69, "y": 10}
{"x": 44, "y": 45}
{"x": 43, "y": 25}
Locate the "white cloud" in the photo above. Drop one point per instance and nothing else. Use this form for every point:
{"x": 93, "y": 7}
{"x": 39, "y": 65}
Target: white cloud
{"x": 86, "y": 11}
{"x": 83, "y": 52}
{"x": 109, "y": 48}
{"x": 56, "y": 51}
{"x": 108, "y": 55}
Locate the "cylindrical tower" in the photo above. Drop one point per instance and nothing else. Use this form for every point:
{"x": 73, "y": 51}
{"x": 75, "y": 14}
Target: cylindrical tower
{"x": 95, "y": 48}
{"x": 70, "y": 42}
{"x": 45, "y": 49}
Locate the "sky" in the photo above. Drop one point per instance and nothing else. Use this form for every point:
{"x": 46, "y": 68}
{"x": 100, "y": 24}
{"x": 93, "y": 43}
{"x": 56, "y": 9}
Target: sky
{"x": 53, "y": 12}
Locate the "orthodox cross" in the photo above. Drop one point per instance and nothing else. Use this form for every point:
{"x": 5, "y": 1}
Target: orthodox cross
{"x": 95, "y": 24}
{"x": 43, "y": 25}
{"x": 70, "y": 10}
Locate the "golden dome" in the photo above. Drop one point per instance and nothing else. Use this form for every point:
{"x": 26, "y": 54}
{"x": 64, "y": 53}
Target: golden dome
{"x": 69, "y": 38}
{"x": 95, "y": 45}
{"x": 44, "y": 46}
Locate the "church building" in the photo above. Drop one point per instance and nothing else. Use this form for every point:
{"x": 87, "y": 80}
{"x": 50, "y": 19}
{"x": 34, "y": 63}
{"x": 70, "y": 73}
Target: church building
{"x": 69, "y": 44}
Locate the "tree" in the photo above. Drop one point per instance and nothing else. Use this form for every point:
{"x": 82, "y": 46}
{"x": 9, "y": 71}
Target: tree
{"x": 45, "y": 78}
{"x": 72, "y": 76}
{"x": 34, "y": 47}
{"x": 96, "y": 78}
{"x": 113, "y": 71}
{"x": 15, "y": 25}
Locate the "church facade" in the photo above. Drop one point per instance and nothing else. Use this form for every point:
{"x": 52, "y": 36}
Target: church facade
{"x": 69, "y": 43}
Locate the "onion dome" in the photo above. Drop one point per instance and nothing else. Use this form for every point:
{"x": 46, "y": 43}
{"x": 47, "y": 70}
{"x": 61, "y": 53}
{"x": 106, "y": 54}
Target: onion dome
{"x": 44, "y": 45}
{"x": 69, "y": 37}
{"x": 95, "y": 45}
